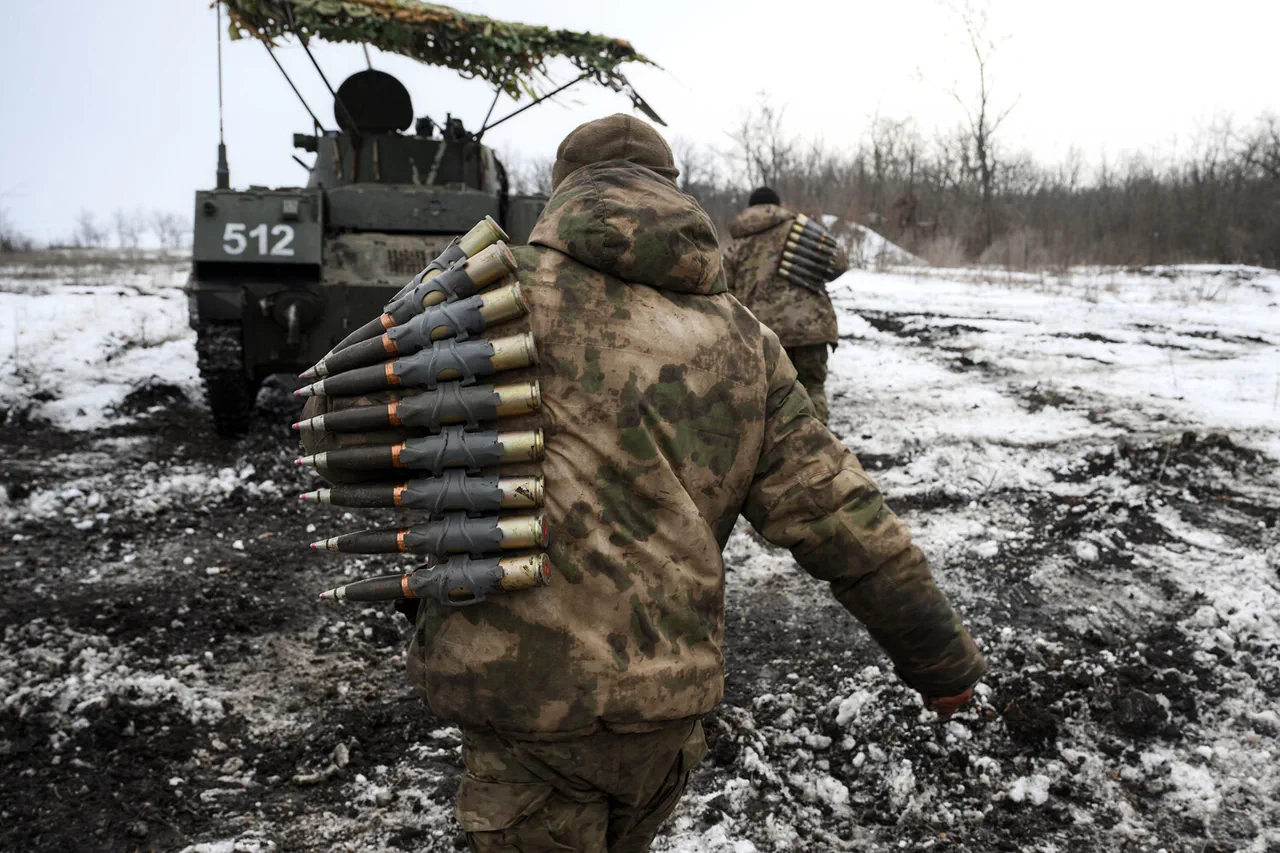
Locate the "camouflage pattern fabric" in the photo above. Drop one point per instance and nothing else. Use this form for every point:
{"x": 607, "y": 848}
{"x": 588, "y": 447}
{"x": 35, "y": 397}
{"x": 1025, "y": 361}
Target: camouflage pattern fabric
{"x": 607, "y": 791}
{"x": 668, "y": 410}
{"x": 811, "y": 369}
{"x": 797, "y": 315}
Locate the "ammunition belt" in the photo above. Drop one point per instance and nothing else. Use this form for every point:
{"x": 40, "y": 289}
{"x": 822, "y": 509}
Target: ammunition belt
{"x": 810, "y": 257}
{"x": 427, "y": 343}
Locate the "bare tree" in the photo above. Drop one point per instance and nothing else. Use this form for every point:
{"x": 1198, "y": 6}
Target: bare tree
{"x": 129, "y": 227}
{"x": 762, "y": 151}
{"x": 983, "y": 117}
{"x": 170, "y": 229}
{"x": 11, "y": 238}
{"x": 88, "y": 234}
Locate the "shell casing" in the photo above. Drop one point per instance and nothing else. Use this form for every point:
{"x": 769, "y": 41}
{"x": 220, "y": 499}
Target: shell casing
{"x": 456, "y": 582}
{"x": 811, "y": 229}
{"x": 463, "y": 360}
{"x": 800, "y": 281}
{"x": 515, "y": 352}
{"x": 821, "y": 271}
{"x": 483, "y": 234}
{"x": 460, "y": 319}
{"x": 455, "y": 533}
{"x": 819, "y": 254}
{"x": 450, "y": 403}
{"x": 482, "y": 270}
{"x": 450, "y": 359}
{"x": 518, "y": 399}
{"x": 806, "y": 220}
{"x": 454, "y": 491}
{"x": 525, "y": 572}
{"x": 803, "y": 270}
{"x": 453, "y": 447}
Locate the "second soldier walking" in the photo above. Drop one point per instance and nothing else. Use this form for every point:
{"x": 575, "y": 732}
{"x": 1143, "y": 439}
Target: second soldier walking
{"x": 777, "y": 264}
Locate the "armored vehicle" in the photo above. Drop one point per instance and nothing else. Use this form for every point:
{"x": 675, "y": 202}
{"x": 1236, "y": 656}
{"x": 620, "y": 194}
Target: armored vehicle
{"x": 281, "y": 275}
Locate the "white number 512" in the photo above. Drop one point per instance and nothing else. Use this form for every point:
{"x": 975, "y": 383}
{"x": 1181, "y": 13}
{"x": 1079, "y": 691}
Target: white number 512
{"x": 235, "y": 240}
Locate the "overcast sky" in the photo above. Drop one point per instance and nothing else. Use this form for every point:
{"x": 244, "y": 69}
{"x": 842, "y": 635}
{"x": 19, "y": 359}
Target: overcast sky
{"x": 106, "y": 105}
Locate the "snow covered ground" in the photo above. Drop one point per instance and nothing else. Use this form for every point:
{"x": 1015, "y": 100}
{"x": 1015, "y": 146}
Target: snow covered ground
{"x": 1090, "y": 462}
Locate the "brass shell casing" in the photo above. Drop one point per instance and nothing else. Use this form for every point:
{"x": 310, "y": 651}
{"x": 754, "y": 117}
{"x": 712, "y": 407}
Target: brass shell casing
{"x": 521, "y": 445}
{"x": 519, "y": 399}
{"x": 514, "y": 352}
{"x": 483, "y": 234}
{"x": 521, "y": 492}
{"x": 505, "y": 303}
{"x": 522, "y": 531}
{"x": 491, "y": 264}
{"x": 525, "y": 572}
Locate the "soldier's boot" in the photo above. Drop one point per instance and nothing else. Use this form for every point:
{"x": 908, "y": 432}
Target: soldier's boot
{"x": 810, "y": 362}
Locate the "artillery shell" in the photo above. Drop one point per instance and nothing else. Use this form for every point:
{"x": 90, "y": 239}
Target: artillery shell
{"x": 450, "y": 403}
{"x": 810, "y": 228}
{"x": 815, "y": 252}
{"x": 457, "y": 581}
{"x": 825, "y": 273}
{"x": 456, "y": 532}
{"x": 806, "y": 270}
{"x": 800, "y": 281}
{"x": 483, "y": 234}
{"x": 453, "y": 447}
{"x": 450, "y": 492}
{"x": 449, "y": 359}
{"x": 458, "y": 282}
{"x": 459, "y": 320}
{"x": 525, "y": 572}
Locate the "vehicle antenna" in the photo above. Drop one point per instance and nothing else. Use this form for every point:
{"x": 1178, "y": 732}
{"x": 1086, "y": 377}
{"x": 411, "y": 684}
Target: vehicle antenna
{"x": 484, "y": 125}
{"x": 302, "y": 37}
{"x": 287, "y": 79}
{"x": 550, "y": 94}
{"x": 367, "y": 61}
{"x": 223, "y": 172}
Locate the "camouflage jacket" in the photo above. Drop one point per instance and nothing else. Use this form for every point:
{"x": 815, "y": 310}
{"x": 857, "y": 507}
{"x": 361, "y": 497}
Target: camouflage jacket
{"x": 668, "y": 410}
{"x": 798, "y": 316}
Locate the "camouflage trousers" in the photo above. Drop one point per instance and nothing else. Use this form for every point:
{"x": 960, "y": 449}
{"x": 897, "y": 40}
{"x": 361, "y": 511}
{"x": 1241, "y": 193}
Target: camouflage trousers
{"x": 811, "y": 369}
{"x": 606, "y": 792}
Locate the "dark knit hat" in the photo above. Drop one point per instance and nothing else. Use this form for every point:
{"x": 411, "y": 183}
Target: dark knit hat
{"x": 618, "y": 137}
{"x": 763, "y": 195}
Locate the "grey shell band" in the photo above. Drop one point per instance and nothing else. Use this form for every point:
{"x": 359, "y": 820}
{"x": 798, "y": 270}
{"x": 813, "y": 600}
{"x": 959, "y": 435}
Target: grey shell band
{"x": 478, "y": 577}
{"x": 453, "y": 283}
{"x": 463, "y": 317}
{"x": 453, "y": 447}
{"x": 448, "y": 403}
{"x": 471, "y": 359}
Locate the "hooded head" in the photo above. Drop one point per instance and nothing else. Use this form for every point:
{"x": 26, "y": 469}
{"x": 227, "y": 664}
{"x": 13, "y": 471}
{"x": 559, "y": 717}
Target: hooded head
{"x": 763, "y": 195}
{"x": 618, "y": 137}
{"x": 615, "y": 208}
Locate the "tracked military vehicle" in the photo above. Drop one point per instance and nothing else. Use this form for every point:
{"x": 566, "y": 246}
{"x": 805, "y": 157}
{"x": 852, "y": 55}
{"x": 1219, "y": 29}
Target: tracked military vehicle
{"x": 281, "y": 275}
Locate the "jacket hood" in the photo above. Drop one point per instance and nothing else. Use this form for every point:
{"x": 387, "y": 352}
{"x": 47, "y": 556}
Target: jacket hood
{"x": 627, "y": 221}
{"x": 757, "y": 218}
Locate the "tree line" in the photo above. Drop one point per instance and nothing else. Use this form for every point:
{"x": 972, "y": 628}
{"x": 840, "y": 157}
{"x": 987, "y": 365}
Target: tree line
{"x": 960, "y": 197}
{"x": 123, "y": 229}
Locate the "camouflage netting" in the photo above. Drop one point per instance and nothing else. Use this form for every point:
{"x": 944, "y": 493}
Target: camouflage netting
{"x": 509, "y": 55}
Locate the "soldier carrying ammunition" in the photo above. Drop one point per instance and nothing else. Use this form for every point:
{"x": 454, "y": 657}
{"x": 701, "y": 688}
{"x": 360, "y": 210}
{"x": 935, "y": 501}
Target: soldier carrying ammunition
{"x": 666, "y": 411}
{"x": 778, "y": 264}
